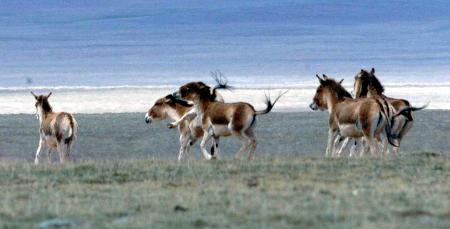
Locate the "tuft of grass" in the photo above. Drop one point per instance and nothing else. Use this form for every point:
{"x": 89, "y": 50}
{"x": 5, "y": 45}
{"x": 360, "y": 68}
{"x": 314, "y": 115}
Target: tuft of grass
{"x": 271, "y": 192}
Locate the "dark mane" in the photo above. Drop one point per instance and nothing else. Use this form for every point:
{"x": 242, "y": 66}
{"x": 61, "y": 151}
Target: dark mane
{"x": 337, "y": 88}
{"x": 206, "y": 92}
{"x": 178, "y": 101}
{"x": 46, "y": 105}
{"x": 370, "y": 82}
{"x": 376, "y": 84}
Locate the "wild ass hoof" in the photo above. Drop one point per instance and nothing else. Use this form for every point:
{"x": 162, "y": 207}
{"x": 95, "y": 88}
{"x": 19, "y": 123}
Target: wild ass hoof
{"x": 171, "y": 126}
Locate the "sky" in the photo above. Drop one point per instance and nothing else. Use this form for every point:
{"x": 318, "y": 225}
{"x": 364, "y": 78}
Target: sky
{"x": 110, "y": 43}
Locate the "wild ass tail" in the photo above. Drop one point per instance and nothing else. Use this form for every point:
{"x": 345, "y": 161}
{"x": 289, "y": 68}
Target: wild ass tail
{"x": 72, "y": 130}
{"x": 390, "y": 137}
{"x": 386, "y": 114}
{"x": 269, "y": 103}
{"x": 221, "y": 83}
{"x": 407, "y": 111}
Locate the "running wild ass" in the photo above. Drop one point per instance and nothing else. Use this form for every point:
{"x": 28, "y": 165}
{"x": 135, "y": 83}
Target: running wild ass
{"x": 223, "y": 119}
{"x": 57, "y": 130}
{"x": 368, "y": 85}
{"x": 173, "y": 108}
{"x": 361, "y": 118}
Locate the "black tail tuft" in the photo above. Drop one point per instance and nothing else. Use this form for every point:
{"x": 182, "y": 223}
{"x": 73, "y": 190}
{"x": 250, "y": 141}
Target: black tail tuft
{"x": 269, "y": 103}
{"x": 407, "y": 111}
{"x": 389, "y": 135}
{"x": 68, "y": 140}
{"x": 221, "y": 81}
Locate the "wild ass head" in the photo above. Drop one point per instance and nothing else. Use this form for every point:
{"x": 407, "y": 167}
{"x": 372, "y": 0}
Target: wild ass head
{"x": 327, "y": 91}
{"x": 366, "y": 82}
{"x": 161, "y": 108}
{"x": 42, "y": 105}
{"x": 195, "y": 91}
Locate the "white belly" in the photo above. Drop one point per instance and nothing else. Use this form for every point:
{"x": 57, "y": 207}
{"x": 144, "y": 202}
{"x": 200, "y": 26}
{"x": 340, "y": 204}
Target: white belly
{"x": 350, "y": 130}
{"x": 221, "y": 130}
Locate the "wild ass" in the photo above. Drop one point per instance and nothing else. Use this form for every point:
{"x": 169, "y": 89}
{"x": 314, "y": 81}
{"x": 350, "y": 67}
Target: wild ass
{"x": 223, "y": 119}
{"x": 173, "y": 108}
{"x": 361, "y": 118}
{"x": 57, "y": 130}
{"x": 368, "y": 85}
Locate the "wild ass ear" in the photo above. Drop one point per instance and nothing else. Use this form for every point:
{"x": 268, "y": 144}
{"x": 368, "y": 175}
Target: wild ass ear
{"x": 170, "y": 97}
{"x": 49, "y": 94}
{"x": 318, "y": 77}
{"x": 372, "y": 71}
{"x": 325, "y": 77}
{"x": 35, "y": 96}
{"x": 340, "y": 82}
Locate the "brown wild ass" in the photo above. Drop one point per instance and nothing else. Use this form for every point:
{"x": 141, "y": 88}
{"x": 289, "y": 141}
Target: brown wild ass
{"x": 368, "y": 85}
{"x": 57, "y": 130}
{"x": 360, "y": 118}
{"x": 223, "y": 119}
{"x": 173, "y": 108}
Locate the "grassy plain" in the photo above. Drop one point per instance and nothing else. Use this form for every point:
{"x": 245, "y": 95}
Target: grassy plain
{"x": 126, "y": 177}
{"x": 127, "y": 136}
{"x": 411, "y": 191}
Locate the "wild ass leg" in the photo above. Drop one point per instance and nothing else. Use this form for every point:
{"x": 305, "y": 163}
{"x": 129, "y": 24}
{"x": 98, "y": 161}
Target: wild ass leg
{"x": 251, "y": 151}
{"x": 382, "y": 141}
{"x": 191, "y": 142}
{"x": 186, "y": 117}
{"x": 337, "y": 141}
{"x": 395, "y": 150}
{"x": 38, "y": 151}
{"x": 357, "y": 147}
{"x": 68, "y": 154}
{"x": 206, "y": 138}
{"x": 353, "y": 148}
{"x": 373, "y": 146}
{"x": 343, "y": 146}
{"x": 364, "y": 148}
{"x": 405, "y": 127}
{"x": 245, "y": 141}
{"x": 59, "y": 148}
{"x": 331, "y": 137}
{"x": 63, "y": 151}
{"x": 184, "y": 145}
{"x": 215, "y": 148}
{"x": 49, "y": 155}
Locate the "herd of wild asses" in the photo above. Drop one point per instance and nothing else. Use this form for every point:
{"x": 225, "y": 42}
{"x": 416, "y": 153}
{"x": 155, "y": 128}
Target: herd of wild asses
{"x": 368, "y": 121}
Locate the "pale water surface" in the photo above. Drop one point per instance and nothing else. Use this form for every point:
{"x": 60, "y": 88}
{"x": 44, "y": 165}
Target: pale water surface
{"x": 139, "y": 99}
{"x": 119, "y": 56}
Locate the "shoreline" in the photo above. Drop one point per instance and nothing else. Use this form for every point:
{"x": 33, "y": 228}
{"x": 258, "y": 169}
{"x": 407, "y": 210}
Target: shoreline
{"x": 140, "y": 99}
{"x": 308, "y": 85}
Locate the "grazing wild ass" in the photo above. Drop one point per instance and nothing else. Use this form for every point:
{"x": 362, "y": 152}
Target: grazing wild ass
{"x": 57, "y": 130}
{"x": 368, "y": 85}
{"x": 223, "y": 119}
{"x": 361, "y": 118}
{"x": 173, "y": 108}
